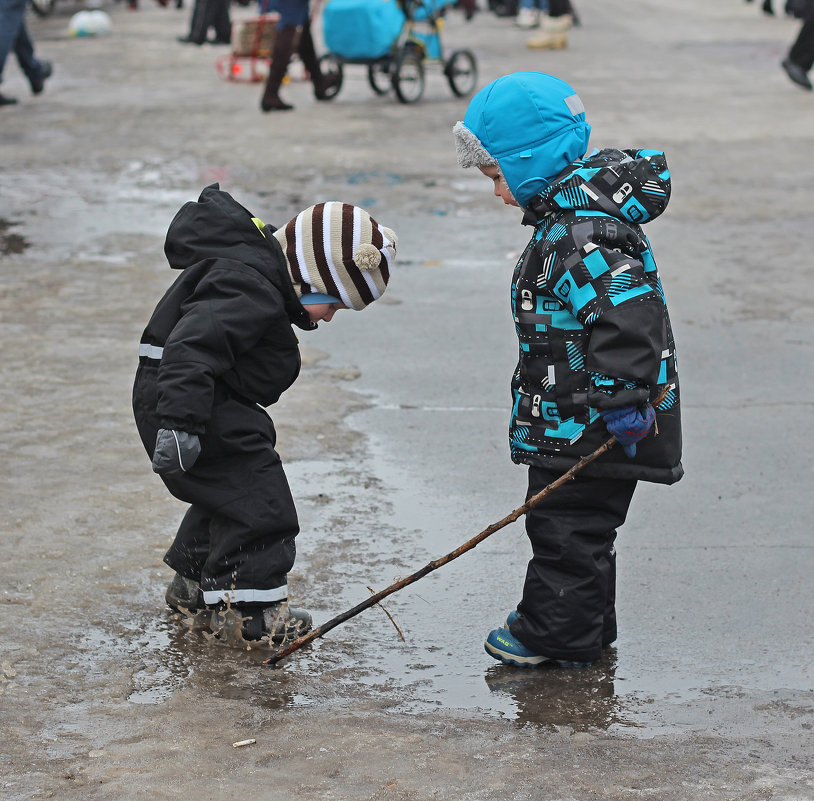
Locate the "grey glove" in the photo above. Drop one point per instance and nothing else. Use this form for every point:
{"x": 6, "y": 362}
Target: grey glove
{"x": 175, "y": 451}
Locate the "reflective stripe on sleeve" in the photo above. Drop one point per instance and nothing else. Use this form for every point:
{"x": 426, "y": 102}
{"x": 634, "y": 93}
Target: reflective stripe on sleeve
{"x": 150, "y": 351}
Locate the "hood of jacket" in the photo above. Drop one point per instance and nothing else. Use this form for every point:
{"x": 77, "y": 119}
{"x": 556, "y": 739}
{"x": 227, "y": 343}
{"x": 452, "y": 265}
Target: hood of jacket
{"x": 213, "y": 227}
{"x": 216, "y": 227}
{"x": 533, "y": 125}
{"x": 630, "y": 185}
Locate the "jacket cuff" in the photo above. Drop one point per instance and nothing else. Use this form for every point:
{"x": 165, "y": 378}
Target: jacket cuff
{"x": 621, "y": 398}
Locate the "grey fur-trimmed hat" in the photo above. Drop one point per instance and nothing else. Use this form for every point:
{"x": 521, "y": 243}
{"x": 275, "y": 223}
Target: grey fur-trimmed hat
{"x": 531, "y": 123}
{"x": 468, "y": 148}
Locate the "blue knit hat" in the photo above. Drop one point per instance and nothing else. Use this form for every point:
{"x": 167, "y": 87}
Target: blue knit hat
{"x": 530, "y": 124}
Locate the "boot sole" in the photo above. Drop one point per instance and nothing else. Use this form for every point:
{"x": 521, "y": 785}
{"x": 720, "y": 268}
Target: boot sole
{"x": 513, "y": 659}
{"x": 529, "y": 661}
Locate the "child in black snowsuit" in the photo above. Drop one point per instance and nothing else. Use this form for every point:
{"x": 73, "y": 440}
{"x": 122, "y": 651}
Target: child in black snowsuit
{"x": 596, "y": 352}
{"x": 219, "y": 347}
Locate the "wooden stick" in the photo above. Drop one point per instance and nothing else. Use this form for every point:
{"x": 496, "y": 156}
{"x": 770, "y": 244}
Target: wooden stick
{"x": 434, "y": 565}
{"x": 467, "y": 546}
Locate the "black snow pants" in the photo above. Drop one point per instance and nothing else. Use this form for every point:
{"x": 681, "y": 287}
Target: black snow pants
{"x": 568, "y": 607}
{"x": 237, "y": 538}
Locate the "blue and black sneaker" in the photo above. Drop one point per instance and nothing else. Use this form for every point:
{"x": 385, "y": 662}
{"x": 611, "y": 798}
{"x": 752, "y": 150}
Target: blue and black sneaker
{"x": 504, "y": 646}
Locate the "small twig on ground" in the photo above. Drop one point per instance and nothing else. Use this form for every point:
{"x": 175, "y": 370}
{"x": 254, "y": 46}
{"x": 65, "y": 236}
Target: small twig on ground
{"x": 373, "y": 592}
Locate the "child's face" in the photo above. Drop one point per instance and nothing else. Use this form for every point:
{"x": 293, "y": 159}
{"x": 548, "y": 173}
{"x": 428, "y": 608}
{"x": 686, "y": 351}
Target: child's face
{"x": 500, "y": 186}
{"x": 323, "y": 312}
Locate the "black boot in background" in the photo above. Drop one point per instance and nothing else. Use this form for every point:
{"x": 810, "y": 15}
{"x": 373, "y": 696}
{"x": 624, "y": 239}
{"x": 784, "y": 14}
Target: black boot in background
{"x": 217, "y": 17}
{"x": 280, "y": 56}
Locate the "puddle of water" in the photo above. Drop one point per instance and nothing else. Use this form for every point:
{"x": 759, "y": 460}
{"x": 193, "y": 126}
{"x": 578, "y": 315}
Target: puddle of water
{"x": 640, "y": 687}
{"x": 371, "y": 524}
{"x": 442, "y": 664}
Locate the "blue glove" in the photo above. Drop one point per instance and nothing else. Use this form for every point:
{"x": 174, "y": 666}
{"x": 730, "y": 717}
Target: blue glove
{"x": 175, "y": 451}
{"x": 629, "y": 424}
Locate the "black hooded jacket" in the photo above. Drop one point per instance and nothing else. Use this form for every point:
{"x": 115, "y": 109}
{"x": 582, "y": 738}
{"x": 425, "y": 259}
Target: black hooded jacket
{"x": 227, "y": 317}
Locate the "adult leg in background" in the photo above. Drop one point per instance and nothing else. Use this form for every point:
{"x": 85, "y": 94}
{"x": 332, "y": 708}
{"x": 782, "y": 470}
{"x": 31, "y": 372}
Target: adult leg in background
{"x": 800, "y": 58}
{"x": 280, "y": 57}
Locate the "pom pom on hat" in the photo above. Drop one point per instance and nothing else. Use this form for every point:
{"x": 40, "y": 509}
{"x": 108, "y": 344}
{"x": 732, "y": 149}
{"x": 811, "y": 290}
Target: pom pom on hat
{"x": 338, "y": 249}
{"x": 367, "y": 257}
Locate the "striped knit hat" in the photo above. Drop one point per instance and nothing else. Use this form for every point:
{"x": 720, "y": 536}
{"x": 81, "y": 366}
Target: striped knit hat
{"x": 340, "y": 250}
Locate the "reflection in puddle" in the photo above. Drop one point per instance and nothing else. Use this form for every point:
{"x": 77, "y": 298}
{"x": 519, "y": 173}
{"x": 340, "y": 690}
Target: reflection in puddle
{"x": 178, "y": 653}
{"x": 370, "y": 664}
{"x": 580, "y": 698}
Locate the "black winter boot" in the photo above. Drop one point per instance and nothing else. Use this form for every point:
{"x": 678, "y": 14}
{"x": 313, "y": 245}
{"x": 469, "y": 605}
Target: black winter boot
{"x": 184, "y": 593}
{"x": 280, "y": 56}
{"x": 218, "y": 18}
{"x": 38, "y": 77}
{"x": 277, "y": 621}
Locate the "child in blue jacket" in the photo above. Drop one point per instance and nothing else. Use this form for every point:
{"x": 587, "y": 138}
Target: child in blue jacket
{"x": 596, "y": 351}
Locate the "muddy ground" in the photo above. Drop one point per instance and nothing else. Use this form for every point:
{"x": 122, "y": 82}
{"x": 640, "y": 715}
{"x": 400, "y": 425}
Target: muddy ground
{"x": 395, "y": 435}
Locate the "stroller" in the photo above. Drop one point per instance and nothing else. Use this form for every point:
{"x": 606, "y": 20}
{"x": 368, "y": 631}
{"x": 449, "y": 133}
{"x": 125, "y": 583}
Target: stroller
{"x": 394, "y": 39}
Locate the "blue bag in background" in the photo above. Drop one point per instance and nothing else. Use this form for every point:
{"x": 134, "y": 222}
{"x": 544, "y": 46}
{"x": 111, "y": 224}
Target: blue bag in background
{"x": 361, "y": 29}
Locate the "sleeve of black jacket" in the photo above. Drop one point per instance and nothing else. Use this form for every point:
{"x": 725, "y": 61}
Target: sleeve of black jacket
{"x": 623, "y": 313}
{"x": 225, "y": 315}
{"x": 626, "y": 344}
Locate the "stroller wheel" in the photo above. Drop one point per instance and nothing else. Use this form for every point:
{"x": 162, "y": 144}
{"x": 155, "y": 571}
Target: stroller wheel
{"x": 378, "y": 76}
{"x": 408, "y": 75}
{"x": 462, "y": 72}
{"x": 331, "y": 68}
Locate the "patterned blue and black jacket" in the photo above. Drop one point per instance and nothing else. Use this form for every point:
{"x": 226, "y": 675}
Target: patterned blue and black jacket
{"x": 592, "y": 320}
